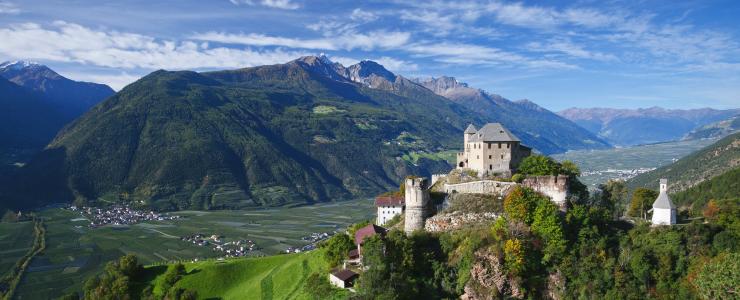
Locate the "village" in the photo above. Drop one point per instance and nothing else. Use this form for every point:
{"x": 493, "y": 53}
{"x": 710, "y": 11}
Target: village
{"x": 237, "y": 248}
{"x": 119, "y": 215}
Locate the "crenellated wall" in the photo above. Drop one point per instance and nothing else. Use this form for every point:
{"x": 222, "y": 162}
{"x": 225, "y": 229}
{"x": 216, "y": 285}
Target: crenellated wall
{"x": 555, "y": 187}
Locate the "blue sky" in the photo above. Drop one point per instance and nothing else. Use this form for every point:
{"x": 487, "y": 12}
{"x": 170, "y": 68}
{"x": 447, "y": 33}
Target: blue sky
{"x": 625, "y": 54}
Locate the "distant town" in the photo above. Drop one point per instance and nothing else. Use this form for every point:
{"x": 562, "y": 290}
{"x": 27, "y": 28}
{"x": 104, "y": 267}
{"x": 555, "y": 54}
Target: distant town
{"x": 119, "y": 215}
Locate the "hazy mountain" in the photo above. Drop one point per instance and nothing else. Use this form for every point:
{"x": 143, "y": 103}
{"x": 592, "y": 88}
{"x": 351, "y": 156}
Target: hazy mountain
{"x": 645, "y": 125}
{"x": 536, "y": 126}
{"x": 71, "y": 97}
{"x": 716, "y": 129}
{"x": 715, "y": 159}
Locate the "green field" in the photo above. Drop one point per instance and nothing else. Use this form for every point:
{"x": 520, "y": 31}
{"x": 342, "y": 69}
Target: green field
{"x": 15, "y": 240}
{"x": 273, "y": 277}
{"x": 599, "y": 166}
{"x": 75, "y": 252}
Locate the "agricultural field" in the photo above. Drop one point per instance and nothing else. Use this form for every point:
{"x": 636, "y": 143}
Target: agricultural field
{"x": 74, "y": 251}
{"x": 598, "y": 166}
{"x": 15, "y": 240}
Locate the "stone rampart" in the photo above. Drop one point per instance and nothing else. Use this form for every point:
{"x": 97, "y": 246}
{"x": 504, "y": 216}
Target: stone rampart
{"x": 480, "y": 187}
{"x": 555, "y": 187}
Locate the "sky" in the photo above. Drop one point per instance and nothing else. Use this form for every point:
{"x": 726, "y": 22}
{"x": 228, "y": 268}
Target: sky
{"x": 621, "y": 54}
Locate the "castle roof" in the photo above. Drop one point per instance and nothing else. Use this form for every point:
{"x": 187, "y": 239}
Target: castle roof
{"x": 389, "y": 201}
{"x": 471, "y": 129}
{"x": 494, "y": 132}
{"x": 366, "y": 232}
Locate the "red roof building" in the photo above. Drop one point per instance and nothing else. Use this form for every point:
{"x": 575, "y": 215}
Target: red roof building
{"x": 393, "y": 200}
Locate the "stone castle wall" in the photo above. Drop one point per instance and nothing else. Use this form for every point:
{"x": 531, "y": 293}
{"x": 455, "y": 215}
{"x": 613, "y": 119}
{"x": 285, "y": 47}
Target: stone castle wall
{"x": 480, "y": 187}
{"x": 555, "y": 187}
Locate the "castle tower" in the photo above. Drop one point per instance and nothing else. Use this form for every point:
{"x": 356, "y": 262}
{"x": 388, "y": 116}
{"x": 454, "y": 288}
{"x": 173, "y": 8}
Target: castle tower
{"x": 469, "y": 132}
{"x": 417, "y": 204}
{"x": 664, "y": 212}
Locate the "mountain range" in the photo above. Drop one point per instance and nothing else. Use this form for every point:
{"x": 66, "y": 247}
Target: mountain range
{"x": 626, "y": 127}
{"x": 36, "y": 103}
{"x": 538, "y": 127}
{"x": 305, "y": 131}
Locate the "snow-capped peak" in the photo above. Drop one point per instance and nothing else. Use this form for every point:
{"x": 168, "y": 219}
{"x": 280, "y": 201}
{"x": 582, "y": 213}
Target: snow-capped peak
{"x": 18, "y": 64}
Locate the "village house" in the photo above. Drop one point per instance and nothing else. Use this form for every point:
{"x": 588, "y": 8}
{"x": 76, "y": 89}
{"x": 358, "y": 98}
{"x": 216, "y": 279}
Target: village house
{"x": 343, "y": 278}
{"x": 664, "y": 211}
{"x": 388, "y": 207}
{"x": 491, "y": 150}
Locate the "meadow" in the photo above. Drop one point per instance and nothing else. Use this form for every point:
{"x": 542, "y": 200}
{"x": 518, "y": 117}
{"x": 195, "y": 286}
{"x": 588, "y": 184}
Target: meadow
{"x": 599, "y": 166}
{"x": 15, "y": 240}
{"x": 74, "y": 251}
{"x": 274, "y": 277}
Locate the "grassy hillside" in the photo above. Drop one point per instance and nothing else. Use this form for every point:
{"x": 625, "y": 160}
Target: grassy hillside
{"x": 272, "y": 277}
{"x": 725, "y": 186}
{"x": 691, "y": 170}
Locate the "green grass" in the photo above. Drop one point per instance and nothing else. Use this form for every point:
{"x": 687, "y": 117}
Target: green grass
{"x": 447, "y": 155}
{"x": 74, "y": 252}
{"x": 272, "y": 277}
{"x": 326, "y": 109}
{"x": 15, "y": 240}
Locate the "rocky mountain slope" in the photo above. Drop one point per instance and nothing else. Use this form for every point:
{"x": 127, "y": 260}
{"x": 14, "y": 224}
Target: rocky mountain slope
{"x": 536, "y": 126}
{"x": 716, "y": 159}
{"x": 71, "y": 97}
{"x": 38, "y": 102}
{"x": 626, "y": 127}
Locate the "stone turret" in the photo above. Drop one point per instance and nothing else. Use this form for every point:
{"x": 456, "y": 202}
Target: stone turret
{"x": 418, "y": 204}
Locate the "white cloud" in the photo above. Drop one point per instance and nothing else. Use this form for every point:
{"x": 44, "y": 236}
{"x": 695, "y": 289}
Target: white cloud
{"x": 362, "y": 15}
{"x": 9, "y": 8}
{"x": 69, "y": 42}
{"x": 570, "y": 49}
{"x": 117, "y": 81}
{"x": 281, "y": 4}
{"x": 470, "y": 54}
{"x": 348, "y": 41}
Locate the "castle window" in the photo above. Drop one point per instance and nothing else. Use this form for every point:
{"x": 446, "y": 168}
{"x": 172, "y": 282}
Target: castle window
{"x": 490, "y": 156}
{"x": 499, "y": 145}
{"x": 507, "y": 145}
{"x": 477, "y": 157}
{"x": 490, "y": 167}
{"x": 489, "y": 145}
{"x": 502, "y": 156}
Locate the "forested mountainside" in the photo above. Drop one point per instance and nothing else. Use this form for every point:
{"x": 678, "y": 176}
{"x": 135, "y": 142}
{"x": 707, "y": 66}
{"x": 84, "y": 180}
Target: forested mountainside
{"x": 716, "y": 159}
{"x": 626, "y": 127}
{"x": 305, "y": 131}
{"x": 715, "y": 130}
{"x": 536, "y": 126}
{"x": 269, "y": 135}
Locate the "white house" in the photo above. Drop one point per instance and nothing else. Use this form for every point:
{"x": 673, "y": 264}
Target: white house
{"x": 664, "y": 211}
{"x": 388, "y": 207}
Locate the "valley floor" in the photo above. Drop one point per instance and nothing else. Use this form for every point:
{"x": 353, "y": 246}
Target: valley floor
{"x": 74, "y": 251}
{"x": 598, "y": 166}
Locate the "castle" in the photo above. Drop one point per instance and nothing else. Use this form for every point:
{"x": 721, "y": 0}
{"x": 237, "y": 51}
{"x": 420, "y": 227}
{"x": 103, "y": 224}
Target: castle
{"x": 491, "y": 150}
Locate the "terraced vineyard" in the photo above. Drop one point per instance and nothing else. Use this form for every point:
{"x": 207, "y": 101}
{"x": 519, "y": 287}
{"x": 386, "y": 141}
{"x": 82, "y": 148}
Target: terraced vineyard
{"x": 75, "y": 251}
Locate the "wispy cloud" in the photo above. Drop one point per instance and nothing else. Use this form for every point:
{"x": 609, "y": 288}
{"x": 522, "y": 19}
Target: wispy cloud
{"x": 570, "y": 49}
{"x": 69, "y": 42}
{"x": 281, "y": 4}
{"x": 470, "y": 54}
{"x": 348, "y": 41}
{"x": 9, "y": 8}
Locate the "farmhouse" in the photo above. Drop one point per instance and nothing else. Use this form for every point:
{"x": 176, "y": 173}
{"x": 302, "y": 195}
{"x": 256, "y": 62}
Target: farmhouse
{"x": 388, "y": 207}
{"x": 343, "y": 278}
{"x": 491, "y": 150}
